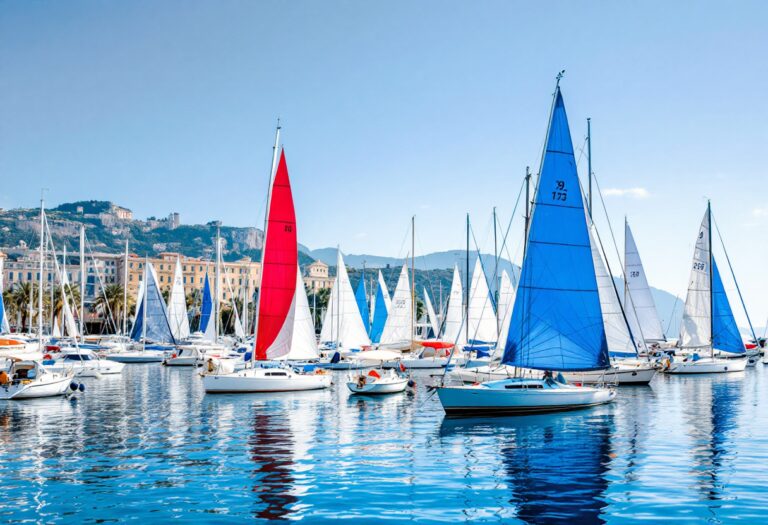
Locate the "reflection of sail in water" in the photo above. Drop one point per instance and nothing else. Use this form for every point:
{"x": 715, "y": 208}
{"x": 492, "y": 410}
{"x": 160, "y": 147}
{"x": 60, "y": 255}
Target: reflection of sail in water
{"x": 272, "y": 451}
{"x": 710, "y": 419}
{"x": 556, "y": 467}
{"x": 634, "y": 430}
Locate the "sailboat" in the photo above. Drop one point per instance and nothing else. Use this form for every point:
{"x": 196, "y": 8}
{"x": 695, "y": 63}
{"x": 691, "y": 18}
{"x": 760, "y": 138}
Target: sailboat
{"x": 151, "y": 332}
{"x": 397, "y": 333}
{"x": 708, "y": 324}
{"x": 556, "y": 323}
{"x": 303, "y": 342}
{"x": 276, "y": 308}
{"x": 453, "y": 325}
{"x": 481, "y": 317}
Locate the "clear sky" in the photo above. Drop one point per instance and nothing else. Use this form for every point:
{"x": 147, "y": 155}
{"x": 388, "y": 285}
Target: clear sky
{"x": 392, "y": 109}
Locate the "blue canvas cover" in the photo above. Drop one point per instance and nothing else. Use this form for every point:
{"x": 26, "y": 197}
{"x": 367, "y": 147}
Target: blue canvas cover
{"x": 556, "y": 320}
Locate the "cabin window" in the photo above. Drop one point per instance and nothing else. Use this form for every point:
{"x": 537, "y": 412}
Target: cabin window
{"x": 520, "y": 387}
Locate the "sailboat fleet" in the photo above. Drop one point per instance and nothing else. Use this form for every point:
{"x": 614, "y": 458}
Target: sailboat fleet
{"x": 560, "y": 335}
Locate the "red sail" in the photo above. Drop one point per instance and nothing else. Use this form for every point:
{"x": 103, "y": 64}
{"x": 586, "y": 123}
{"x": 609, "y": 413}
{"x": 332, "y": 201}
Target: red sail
{"x": 279, "y": 263}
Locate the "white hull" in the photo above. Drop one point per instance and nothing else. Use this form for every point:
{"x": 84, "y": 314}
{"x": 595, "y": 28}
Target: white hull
{"x": 519, "y": 396}
{"x": 420, "y": 363}
{"x": 264, "y": 380}
{"x": 389, "y": 384}
{"x": 148, "y": 356}
{"x": 52, "y": 384}
{"x": 482, "y": 374}
{"x": 620, "y": 373}
{"x": 181, "y": 361}
{"x": 707, "y": 365}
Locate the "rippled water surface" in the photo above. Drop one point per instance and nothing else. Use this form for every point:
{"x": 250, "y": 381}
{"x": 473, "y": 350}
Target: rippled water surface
{"x": 150, "y": 445}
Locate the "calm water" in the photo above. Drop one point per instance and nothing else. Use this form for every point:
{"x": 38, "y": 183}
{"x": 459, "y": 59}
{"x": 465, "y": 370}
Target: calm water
{"x": 150, "y": 445}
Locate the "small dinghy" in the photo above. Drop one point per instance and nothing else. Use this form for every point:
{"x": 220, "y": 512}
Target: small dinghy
{"x": 377, "y": 381}
{"x": 30, "y": 379}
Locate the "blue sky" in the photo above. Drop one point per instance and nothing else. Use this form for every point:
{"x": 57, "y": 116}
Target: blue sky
{"x": 392, "y": 109}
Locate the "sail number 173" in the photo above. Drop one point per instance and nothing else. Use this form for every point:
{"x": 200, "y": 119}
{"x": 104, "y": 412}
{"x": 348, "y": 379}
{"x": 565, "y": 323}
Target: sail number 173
{"x": 561, "y": 192}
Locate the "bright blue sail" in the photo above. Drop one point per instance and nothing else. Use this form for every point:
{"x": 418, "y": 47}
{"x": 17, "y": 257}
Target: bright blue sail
{"x": 380, "y": 314}
{"x": 206, "y": 309}
{"x": 556, "y": 321}
{"x": 4, "y": 325}
{"x": 725, "y": 332}
{"x": 157, "y": 327}
{"x": 362, "y": 304}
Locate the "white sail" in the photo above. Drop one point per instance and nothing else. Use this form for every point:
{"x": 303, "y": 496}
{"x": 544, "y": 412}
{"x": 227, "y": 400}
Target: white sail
{"x": 431, "y": 317}
{"x": 342, "y": 323}
{"x": 399, "y": 323}
{"x": 638, "y": 301}
{"x": 303, "y": 344}
{"x": 696, "y": 326}
{"x": 177, "y": 306}
{"x": 453, "y": 330}
{"x": 70, "y": 326}
{"x": 504, "y": 310}
{"x": 616, "y": 330}
{"x": 480, "y": 314}
{"x": 56, "y": 332}
{"x": 5, "y": 326}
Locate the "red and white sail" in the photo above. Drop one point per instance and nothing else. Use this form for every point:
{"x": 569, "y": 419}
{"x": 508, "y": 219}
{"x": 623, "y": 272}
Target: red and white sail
{"x": 279, "y": 265}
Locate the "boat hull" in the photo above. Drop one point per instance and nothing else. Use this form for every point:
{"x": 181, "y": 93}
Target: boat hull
{"x": 379, "y": 387}
{"x": 618, "y": 374}
{"x": 497, "y": 400}
{"x": 56, "y": 386}
{"x": 257, "y": 380}
{"x": 132, "y": 357}
{"x": 707, "y": 366}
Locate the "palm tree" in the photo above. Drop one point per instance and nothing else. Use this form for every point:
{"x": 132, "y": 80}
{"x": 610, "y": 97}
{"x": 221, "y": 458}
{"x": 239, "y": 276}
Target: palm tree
{"x": 23, "y": 296}
{"x": 73, "y": 298}
{"x": 111, "y": 301}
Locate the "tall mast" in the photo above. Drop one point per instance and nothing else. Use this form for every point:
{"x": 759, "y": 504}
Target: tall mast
{"x": 589, "y": 164}
{"x": 82, "y": 279}
{"x": 466, "y": 287}
{"x": 496, "y": 272}
{"x": 711, "y": 298}
{"x": 527, "y": 207}
{"x": 125, "y": 288}
{"x": 217, "y": 302}
{"x": 272, "y": 168}
{"x": 40, "y": 278}
{"x": 413, "y": 277}
{"x": 144, "y": 303}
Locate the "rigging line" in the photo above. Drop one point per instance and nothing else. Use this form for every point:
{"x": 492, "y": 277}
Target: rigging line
{"x": 672, "y": 314}
{"x": 489, "y": 299}
{"x": 49, "y": 242}
{"x": 733, "y": 274}
{"x": 101, "y": 284}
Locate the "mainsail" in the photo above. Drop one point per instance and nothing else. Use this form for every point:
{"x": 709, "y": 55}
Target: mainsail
{"x": 453, "y": 327}
{"x": 617, "y": 333}
{"x": 638, "y": 301}
{"x": 380, "y": 309}
{"x": 399, "y": 321}
{"x": 480, "y": 313}
{"x": 556, "y": 321}
{"x": 342, "y": 323}
{"x": 696, "y": 326}
{"x": 177, "y": 306}
{"x": 279, "y": 265}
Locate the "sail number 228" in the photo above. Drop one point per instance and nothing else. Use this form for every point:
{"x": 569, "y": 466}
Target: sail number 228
{"x": 561, "y": 192}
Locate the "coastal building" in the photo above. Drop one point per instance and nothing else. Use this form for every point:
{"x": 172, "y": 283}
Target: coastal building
{"x": 316, "y": 277}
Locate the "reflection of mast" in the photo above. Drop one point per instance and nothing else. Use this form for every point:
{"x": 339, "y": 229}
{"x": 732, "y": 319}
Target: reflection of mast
{"x": 272, "y": 453}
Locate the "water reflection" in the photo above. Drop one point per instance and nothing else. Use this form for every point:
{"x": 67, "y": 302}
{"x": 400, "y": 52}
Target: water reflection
{"x": 555, "y": 465}
{"x": 271, "y": 446}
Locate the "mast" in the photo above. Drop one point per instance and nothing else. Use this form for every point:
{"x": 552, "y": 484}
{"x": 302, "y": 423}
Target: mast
{"x": 82, "y": 279}
{"x": 40, "y": 278}
{"x": 589, "y": 164}
{"x": 466, "y": 286}
{"x": 711, "y": 297}
{"x": 144, "y": 303}
{"x": 217, "y": 292}
{"x": 496, "y": 271}
{"x": 272, "y": 168}
{"x": 527, "y": 207}
{"x": 413, "y": 277}
{"x": 125, "y": 288}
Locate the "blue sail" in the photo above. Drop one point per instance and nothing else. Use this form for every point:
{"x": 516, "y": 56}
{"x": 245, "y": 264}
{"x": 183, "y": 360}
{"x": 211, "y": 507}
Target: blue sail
{"x": 556, "y": 321}
{"x": 207, "y": 306}
{"x": 725, "y": 332}
{"x": 362, "y": 304}
{"x": 157, "y": 327}
{"x": 4, "y": 326}
{"x": 380, "y": 314}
